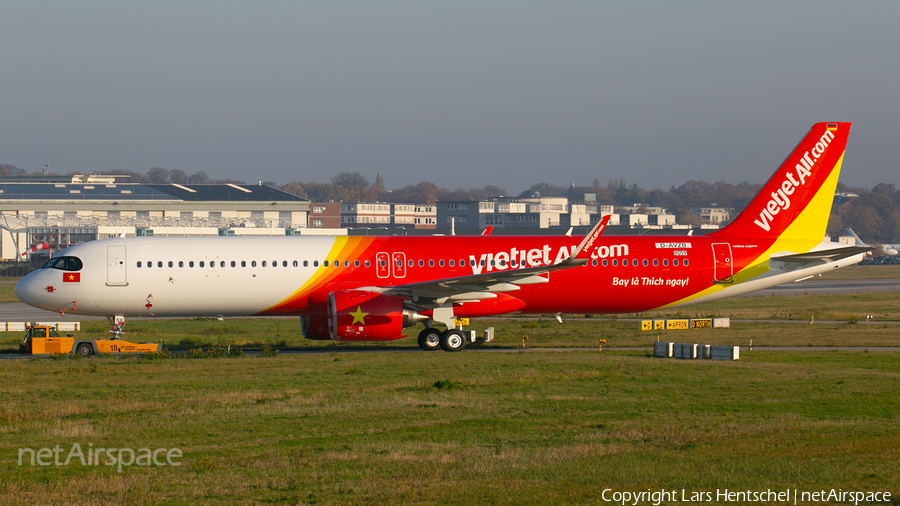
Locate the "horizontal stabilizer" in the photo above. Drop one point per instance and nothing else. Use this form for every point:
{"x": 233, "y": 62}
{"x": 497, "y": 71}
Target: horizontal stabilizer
{"x": 828, "y": 255}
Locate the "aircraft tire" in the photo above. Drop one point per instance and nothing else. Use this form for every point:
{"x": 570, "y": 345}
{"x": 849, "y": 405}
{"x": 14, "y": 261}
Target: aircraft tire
{"x": 430, "y": 339}
{"x": 453, "y": 340}
{"x": 84, "y": 350}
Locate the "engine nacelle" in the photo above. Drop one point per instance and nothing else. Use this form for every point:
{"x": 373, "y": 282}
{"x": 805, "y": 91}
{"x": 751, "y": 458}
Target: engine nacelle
{"x": 315, "y": 327}
{"x": 357, "y": 315}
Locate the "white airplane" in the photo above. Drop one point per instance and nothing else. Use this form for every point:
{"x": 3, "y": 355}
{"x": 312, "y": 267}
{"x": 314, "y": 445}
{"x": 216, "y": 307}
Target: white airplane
{"x": 364, "y": 288}
{"x": 889, "y": 250}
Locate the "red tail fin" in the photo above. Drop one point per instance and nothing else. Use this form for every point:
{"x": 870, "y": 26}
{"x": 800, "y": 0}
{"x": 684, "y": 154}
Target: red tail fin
{"x": 800, "y": 192}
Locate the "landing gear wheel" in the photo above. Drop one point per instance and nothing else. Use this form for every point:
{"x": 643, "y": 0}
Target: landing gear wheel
{"x": 430, "y": 339}
{"x": 84, "y": 350}
{"x": 453, "y": 340}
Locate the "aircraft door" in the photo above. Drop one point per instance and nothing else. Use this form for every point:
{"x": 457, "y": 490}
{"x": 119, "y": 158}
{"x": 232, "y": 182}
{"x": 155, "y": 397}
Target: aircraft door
{"x": 116, "y": 266}
{"x": 382, "y": 265}
{"x": 723, "y": 266}
{"x": 399, "y": 265}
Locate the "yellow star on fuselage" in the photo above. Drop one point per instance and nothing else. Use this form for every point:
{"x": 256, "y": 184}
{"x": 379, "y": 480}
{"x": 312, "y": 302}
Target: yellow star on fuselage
{"x": 359, "y": 316}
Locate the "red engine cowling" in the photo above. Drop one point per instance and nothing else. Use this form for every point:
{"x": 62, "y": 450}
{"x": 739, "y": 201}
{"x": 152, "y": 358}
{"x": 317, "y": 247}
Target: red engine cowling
{"x": 356, "y": 315}
{"x": 315, "y": 327}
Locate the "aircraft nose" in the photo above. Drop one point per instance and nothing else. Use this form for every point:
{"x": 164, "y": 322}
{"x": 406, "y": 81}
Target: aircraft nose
{"x": 28, "y": 289}
{"x": 25, "y": 288}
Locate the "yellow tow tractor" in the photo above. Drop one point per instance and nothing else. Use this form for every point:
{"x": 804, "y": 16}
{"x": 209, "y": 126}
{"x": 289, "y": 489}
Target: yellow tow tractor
{"x": 45, "y": 340}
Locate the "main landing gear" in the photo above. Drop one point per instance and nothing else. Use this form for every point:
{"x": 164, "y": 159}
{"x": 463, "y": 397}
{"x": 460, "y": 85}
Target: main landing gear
{"x": 451, "y": 339}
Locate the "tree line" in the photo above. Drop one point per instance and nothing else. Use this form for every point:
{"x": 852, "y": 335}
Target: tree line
{"x": 874, "y": 215}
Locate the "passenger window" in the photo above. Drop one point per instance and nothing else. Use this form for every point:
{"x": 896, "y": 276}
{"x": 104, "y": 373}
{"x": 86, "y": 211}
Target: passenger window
{"x": 253, "y": 263}
{"x": 202, "y": 264}
{"x": 191, "y": 263}
{"x": 139, "y": 263}
{"x": 243, "y": 263}
{"x": 685, "y": 262}
{"x": 222, "y": 263}
{"x": 452, "y": 264}
{"x": 368, "y": 263}
{"x": 325, "y": 263}
{"x": 655, "y": 262}
{"x": 149, "y": 264}
{"x": 665, "y": 262}
{"x": 512, "y": 263}
{"x": 264, "y": 263}
{"x": 181, "y": 264}
{"x": 306, "y": 263}
{"x": 644, "y": 262}
{"x": 159, "y": 264}
{"x": 594, "y": 263}
{"x": 356, "y": 263}
{"x": 412, "y": 263}
{"x": 171, "y": 263}
{"x": 421, "y": 263}
{"x": 441, "y": 263}
{"x": 605, "y": 262}
{"x": 431, "y": 263}
{"x": 615, "y": 262}
{"x": 675, "y": 262}
{"x": 482, "y": 263}
{"x": 274, "y": 263}
{"x": 233, "y": 263}
{"x": 315, "y": 263}
{"x": 346, "y": 263}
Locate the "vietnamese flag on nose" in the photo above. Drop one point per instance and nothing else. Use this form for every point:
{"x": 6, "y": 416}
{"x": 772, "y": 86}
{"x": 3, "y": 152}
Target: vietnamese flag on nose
{"x": 71, "y": 277}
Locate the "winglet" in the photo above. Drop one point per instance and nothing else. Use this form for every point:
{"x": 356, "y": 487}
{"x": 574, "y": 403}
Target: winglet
{"x": 488, "y": 230}
{"x": 583, "y": 251}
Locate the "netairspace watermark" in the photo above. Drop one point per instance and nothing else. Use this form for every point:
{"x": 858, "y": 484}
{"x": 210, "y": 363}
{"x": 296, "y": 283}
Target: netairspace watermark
{"x": 119, "y": 457}
{"x": 785, "y": 496}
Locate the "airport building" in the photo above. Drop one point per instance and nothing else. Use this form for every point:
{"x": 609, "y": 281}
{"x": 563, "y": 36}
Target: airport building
{"x": 324, "y": 215}
{"x": 65, "y": 210}
{"x": 386, "y": 215}
{"x": 545, "y": 212}
{"x": 712, "y": 215}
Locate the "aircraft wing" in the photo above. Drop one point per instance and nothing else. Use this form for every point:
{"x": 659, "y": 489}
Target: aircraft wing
{"x": 433, "y": 293}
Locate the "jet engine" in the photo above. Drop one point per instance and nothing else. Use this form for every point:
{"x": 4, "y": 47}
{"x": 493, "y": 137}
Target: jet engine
{"x": 357, "y": 315}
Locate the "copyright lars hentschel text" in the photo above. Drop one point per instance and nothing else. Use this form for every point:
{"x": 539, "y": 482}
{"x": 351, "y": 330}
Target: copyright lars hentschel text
{"x": 786, "y": 496}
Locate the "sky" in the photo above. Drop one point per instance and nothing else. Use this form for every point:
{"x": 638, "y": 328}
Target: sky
{"x": 463, "y": 94}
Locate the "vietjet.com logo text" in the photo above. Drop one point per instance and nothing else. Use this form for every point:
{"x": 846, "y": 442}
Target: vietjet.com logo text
{"x": 802, "y": 171}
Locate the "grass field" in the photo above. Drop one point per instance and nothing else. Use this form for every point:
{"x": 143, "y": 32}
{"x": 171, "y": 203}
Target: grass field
{"x": 438, "y": 428}
{"x": 864, "y": 272}
{"x": 512, "y": 428}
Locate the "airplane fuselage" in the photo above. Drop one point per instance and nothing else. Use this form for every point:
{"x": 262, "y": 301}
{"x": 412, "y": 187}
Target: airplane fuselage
{"x": 370, "y": 288}
{"x": 236, "y": 276}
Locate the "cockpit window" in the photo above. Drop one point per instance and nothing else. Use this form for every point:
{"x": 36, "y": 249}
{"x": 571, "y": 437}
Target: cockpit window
{"x": 64, "y": 264}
